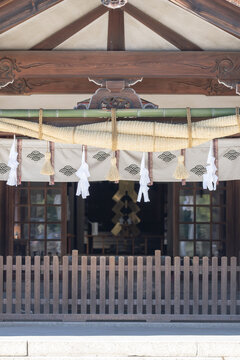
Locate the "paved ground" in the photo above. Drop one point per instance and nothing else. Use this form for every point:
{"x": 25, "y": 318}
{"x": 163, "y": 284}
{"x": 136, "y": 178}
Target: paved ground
{"x": 116, "y": 329}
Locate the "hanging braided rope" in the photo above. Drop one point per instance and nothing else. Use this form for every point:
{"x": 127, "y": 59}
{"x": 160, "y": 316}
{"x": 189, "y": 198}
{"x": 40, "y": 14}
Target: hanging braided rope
{"x": 131, "y": 135}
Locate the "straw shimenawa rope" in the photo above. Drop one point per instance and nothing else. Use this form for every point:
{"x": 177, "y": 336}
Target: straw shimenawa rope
{"x": 131, "y": 135}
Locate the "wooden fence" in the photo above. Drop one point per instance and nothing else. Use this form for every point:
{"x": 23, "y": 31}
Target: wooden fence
{"x": 151, "y": 288}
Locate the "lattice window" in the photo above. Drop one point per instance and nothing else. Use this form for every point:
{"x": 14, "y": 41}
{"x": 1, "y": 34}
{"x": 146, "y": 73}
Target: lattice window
{"x": 201, "y": 220}
{"x": 38, "y": 220}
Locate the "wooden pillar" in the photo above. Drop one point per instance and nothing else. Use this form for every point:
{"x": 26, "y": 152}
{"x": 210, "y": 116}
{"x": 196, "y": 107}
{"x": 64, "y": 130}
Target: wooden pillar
{"x": 80, "y": 219}
{"x": 3, "y": 218}
{"x": 232, "y": 218}
{"x": 172, "y": 244}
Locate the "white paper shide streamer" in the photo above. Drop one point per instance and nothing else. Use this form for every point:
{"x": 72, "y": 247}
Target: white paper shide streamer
{"x": 83, "y": 174}
{"x": 13, "y": 164}
{"x": 144, "y": 181}
{"x": 210, "y": 178}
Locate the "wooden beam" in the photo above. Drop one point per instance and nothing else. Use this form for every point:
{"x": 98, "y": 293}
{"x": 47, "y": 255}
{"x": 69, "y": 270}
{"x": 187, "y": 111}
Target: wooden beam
{"x": 116, "y": 38}
{"x": 5, "y": 2}
{"x": 15, "y": 12}
{"x": 165, "y": 32}
{"x": 63, "y": 34}
{"x": 209, "y": 87}
{"x": 118, "y": 64}
{"x": 234, "y": 2}
{"x": 220, "y": 13}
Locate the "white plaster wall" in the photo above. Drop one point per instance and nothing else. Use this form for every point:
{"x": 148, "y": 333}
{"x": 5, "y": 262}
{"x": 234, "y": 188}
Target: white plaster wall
{"x": 68, "y": 101}
{"x": 92, "y": 37}
{"x": 39, "y": 27}
{"x": 207, "y": 36}
{"x": 139, "y": 37}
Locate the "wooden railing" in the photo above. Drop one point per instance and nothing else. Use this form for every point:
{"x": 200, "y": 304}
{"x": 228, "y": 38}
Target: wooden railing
{"x": 151, "y": 288}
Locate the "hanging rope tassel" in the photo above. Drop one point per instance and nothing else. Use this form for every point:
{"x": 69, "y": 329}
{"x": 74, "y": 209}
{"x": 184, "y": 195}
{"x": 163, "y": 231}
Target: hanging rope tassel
{"x": 181, "y": 171}
{"x": 83, "y": 174}
{"x": 113, "y": 174}
{"x": 144, "y": 181}
{"x": 183, "y": 153}
{"x": 210, "y": 178}
{"x": 13, "y": 164}
{"x": 47, "y": 168}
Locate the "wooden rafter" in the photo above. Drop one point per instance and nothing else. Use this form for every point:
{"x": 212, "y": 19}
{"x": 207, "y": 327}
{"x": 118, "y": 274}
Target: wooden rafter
{"x": 234, "y": 2}
{"x": 63, "y": 34}
{"x": 5, "y": 2}
{"x": 165, "y": 32}
{"x": 14, "y": 12}
{"x": 119, "y": 64}
{"x": 220, "y": 13}
{"x": 209, "y": 87}
{"x": 116, "y": 38}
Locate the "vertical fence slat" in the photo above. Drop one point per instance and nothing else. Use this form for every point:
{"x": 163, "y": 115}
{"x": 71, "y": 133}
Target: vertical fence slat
{"x": 102, "y": 285}
{"x": 55, "y": 285}
{"x": 214, "y": 285}
{"x": 111, "y": 285}
{"x": 158, "y": 296}
{"x": 9, "y": 285}
{"x": 149, "y": 284}
{"x": 130, "y": 285}
{"x": 233, "y": 285}
{"x": 74, "y": 281}
{"x": 139, "y": 284}
{"x": 84, "y": 285}
{"x": 93, "y": 285}
{"x": 186, "y": 284}
{"x": 167, "y": 299}
{"x": 177, "y": 285}
{"x": 195, "y": 285}
{"x": 143, "y": 283}
{"x": 36, "y": 284}
{"x": 46, "y": 285}
{"x": 121, "y": 285}
{"x": 1, "y": 284}
{"x": 205, "y": 296}
{"x": 28, "y": 297}
{"x": 224, "y": 285}
{"x": 18, "y": 284}
{"x": 65, "y": 273}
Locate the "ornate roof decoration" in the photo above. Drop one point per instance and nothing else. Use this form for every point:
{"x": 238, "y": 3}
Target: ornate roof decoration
{"x": 114, "y": 4}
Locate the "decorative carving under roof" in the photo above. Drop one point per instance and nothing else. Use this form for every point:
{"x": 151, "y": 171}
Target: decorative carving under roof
{"x": 115, "y": 94}
{"x": 114, "y": 4}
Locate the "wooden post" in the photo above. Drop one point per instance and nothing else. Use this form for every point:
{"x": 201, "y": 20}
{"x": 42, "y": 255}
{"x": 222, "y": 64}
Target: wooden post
{"x": 18, "y": 285}
{"x": 9, "y": 285}
{"x": 158, "y": 284}
{"x": 168, "y": 284}
{"x": 3, "y": 213}
{"x": 139, "y": 284}
{"x": 74, "y": 281}
{"x": 84, "y": 272}
{"x": 130, "y": 285}
{"x": 46, "y": 285}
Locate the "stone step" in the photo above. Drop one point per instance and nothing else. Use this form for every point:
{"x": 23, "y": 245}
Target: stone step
{"x": 118, "y": 358}
{"x": 120, "y": 348}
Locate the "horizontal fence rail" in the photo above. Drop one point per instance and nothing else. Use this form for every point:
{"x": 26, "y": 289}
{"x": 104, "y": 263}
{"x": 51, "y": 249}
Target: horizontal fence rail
{"x": 148, "y": 288}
